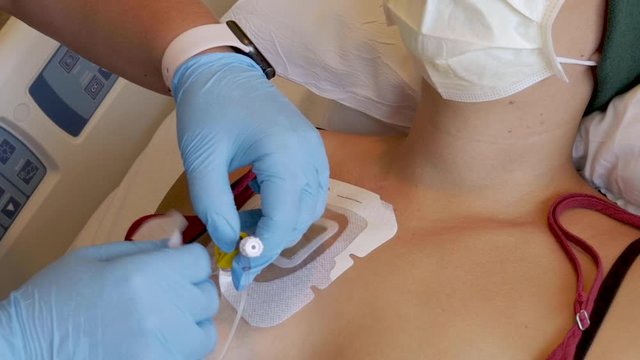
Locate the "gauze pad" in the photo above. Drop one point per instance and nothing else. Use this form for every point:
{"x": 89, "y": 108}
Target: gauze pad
{"x": 356, "y": 222}
{"x": 168, "y": 226}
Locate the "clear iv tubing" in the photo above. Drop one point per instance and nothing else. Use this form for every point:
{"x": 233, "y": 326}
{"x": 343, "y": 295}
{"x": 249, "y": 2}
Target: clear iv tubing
{"x": 250, "y": 246}
{"x": 234, "y": 327}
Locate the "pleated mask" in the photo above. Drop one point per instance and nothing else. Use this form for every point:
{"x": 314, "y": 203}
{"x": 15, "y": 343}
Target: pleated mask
{"x": 480, "y": 50}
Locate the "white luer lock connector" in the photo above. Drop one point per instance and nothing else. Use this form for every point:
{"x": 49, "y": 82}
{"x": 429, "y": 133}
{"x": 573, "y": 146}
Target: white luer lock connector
{"x": 251, "y": 246}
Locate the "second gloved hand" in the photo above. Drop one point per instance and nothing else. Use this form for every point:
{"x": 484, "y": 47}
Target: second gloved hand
{"x": 117, "y": 301}
{"x": 230, "y": 116}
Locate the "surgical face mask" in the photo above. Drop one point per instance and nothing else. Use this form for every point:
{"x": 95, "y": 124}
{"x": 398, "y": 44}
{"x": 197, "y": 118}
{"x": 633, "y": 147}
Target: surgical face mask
{"x": 480, "y": 50}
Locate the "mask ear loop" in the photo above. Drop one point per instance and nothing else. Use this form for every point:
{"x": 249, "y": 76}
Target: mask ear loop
{"x": 236, "y": 322}
{"x": 564, "y": 60}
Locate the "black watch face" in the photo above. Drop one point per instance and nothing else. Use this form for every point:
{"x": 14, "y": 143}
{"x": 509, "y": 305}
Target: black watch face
{"x": 254, "y": 53}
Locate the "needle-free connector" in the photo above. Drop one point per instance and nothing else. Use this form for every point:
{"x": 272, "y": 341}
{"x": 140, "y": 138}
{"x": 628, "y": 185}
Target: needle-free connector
{"x": 251, "y": 246}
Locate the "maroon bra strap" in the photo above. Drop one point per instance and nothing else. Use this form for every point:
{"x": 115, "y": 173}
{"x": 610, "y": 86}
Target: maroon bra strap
{"x": 583, "y": 302}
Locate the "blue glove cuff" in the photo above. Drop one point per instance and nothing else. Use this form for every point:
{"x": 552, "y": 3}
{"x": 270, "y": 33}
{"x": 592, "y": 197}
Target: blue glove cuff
{"x": 215, "y": 62}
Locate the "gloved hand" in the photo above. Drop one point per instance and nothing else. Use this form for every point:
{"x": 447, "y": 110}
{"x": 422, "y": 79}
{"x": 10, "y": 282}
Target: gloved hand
{"x": 123, "y": 300}
{"x": 230, "y": 116}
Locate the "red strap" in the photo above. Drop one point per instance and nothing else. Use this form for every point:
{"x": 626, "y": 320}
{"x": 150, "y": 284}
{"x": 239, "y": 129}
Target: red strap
{"x": 242, "y": 192}
{"x": 583, "y": 303}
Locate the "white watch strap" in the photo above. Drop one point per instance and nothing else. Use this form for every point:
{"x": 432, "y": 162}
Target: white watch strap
{"x": 194, "y": 41}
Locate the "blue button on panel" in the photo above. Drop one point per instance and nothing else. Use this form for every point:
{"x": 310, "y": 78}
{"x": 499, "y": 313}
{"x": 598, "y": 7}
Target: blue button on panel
{"x": 94, "y": 87}
{"x": 70, "y": 89}
{"x": 22, "y": 167}
{"x": 11, "y": 202}
{"x": 21, "y": 171}
{"x": 69, "y": 60}
{"x": 28, "y": 171}
{"x": 6, "y": 151}
{"x": 10, "y": 208}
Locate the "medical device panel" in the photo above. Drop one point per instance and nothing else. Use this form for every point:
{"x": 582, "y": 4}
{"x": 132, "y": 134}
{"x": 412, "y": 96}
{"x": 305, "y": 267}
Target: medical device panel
{"x": 69, "y": 131}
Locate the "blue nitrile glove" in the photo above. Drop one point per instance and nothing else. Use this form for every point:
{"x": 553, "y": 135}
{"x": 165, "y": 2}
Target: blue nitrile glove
{"x": 230, "y": 116}
{"x": 123, "y": 300}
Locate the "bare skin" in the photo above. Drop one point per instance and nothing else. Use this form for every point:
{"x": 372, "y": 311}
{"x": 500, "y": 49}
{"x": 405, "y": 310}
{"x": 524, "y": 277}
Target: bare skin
{"x": 473, "y": 272}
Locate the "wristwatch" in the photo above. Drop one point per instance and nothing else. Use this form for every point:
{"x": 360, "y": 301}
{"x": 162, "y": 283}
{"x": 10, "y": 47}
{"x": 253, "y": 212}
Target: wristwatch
{"x": 201, "y": 38}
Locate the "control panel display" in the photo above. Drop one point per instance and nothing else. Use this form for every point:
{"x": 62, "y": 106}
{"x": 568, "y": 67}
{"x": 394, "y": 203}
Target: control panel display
{"x": 69, "y": 90}
{"x": 21, "y": 171}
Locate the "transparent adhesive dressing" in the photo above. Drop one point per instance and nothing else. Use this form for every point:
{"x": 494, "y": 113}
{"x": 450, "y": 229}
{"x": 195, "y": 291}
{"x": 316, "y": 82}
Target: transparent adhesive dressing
{"x": 355, "y": 222}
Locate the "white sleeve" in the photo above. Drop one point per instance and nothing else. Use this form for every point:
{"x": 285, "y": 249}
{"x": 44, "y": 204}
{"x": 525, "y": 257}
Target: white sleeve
{"x": 607, "y": 150}
{"x": 340, "y": 50}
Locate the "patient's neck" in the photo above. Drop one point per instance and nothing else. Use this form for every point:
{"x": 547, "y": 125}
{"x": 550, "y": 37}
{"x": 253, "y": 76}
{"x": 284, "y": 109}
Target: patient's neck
{"x": 513, "y": 147}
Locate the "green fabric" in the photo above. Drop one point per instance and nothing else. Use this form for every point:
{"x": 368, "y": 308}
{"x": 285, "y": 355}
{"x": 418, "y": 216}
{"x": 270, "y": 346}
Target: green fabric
{"x": 619, "y": 67}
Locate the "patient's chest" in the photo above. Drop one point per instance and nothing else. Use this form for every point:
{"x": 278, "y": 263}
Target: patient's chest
{"x": 458, "y": 292}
